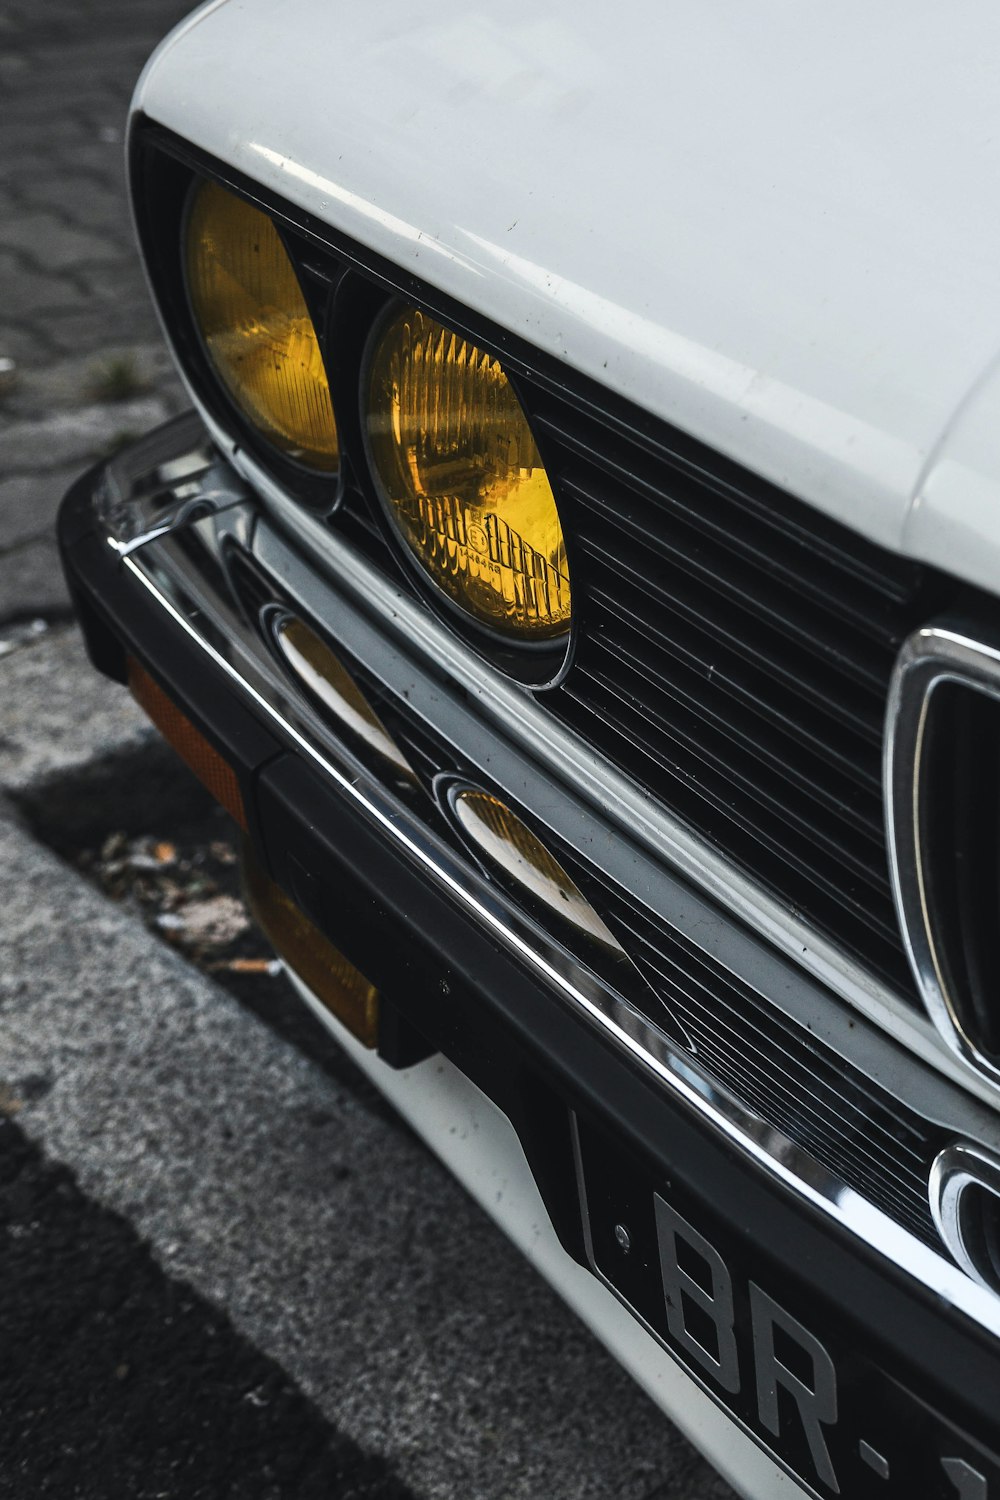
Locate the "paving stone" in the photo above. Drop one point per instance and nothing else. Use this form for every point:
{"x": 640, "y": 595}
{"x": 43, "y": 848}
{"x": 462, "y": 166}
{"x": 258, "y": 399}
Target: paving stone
{"x": 126, "y": 319}
{"x": 27, "y": 291}
{"x": 120, "y": 372}
{"x": 28, "y": 505}
{"x": 83, "y": 199}
{"x": 15, "y": 134}
{"x": 13, "y": 65}
{"x": 31, "y": 582}
{"x": 82, "y": 93}
{"x": 104, "y": 158}
{"x": 57, "y": 18}
{"x": 28, "y": 347}
{"x": 18, "y": 167}
{"x": 70, "y": 436}
{"x": 53, "y": 245}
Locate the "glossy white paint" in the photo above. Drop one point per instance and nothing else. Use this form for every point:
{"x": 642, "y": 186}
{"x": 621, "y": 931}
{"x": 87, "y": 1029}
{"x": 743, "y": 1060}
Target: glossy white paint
{"x": 478, "y": 1144}
{"x": 775, "y": 225}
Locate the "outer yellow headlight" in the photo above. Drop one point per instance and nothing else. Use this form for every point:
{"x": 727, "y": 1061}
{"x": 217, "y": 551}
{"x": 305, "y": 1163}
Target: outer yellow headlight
{"x": 253, "y": 318}
{"x": 463, "y": 478}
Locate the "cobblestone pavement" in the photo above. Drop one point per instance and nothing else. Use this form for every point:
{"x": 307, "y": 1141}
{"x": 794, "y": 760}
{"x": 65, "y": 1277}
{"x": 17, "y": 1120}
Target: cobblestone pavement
{"x": 89, "y": 366}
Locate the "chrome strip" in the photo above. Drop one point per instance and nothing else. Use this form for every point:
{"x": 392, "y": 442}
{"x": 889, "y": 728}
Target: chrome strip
{"x": 239, "y": 654}
{"x": 573, "y": 761}
{"x": 932, "y": 656}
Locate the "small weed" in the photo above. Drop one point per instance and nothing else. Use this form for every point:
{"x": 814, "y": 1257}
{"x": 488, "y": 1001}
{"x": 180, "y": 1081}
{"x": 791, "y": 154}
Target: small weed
{"x": 117, "y": 379}
{"x": 117, "y": 442}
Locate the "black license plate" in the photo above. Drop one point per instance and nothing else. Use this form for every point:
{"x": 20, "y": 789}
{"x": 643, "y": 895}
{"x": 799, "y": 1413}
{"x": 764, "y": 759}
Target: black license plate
{"x": 796, "y": 1377}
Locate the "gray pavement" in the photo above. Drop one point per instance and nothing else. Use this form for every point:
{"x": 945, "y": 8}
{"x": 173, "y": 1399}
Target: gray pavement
{"x": 90, "y": 369}
{"x": 332, "y": 1239}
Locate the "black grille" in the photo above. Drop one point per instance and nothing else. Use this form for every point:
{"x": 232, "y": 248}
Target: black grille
{"x": 734, "y": 655}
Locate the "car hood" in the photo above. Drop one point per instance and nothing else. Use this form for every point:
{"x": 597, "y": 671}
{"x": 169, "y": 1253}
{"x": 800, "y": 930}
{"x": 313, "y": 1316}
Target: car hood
{"x": 774, "y": 225}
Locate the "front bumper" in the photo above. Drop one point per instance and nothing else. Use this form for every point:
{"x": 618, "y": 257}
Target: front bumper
{"x": 609, "y": 1114}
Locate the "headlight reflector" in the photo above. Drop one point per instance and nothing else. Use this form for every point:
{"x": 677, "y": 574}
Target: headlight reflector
{"x": 251, "y": 313}
{"x": 463, "y": 480}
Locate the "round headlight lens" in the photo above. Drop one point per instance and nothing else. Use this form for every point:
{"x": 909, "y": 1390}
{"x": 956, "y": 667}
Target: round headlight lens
{"x": 253, "y": 318}
{"x": 463, "y": 480}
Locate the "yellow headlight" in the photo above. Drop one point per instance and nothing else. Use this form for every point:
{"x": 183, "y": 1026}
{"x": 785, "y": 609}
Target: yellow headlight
{"x": 253, "y": 318}
{"x": 463, "y": 478}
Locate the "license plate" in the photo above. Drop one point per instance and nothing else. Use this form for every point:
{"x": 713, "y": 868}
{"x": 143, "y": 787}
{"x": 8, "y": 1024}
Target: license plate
{"x": 794, "y": 1376}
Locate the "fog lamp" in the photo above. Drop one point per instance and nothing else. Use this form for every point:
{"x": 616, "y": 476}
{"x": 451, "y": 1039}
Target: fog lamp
{"x": 252, "y": 316}
{"x": 334, "y": 689}
{"x": 462, "y": 479}
{"x": 520, "y": 862}
{"x": 508, "y": 847}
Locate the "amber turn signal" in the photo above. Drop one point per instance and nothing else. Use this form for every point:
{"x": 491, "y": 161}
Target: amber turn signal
{"x": 462, "y": 479}
{"x": 252, "y": 316}
{"x": 334, "y": 981}
{"x": 211, "y": 769}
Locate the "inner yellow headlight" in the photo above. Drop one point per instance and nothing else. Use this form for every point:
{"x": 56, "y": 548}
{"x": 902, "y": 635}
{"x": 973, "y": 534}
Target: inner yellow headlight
{"x": 463, "y": 478}
{"x": 253, "y": 318}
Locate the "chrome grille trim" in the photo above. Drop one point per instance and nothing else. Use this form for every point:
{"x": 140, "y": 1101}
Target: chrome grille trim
{"x": 937, "y": 654}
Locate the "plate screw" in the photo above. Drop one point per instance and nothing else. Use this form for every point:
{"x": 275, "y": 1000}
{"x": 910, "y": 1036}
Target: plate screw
{"x": 623, "y": 1237}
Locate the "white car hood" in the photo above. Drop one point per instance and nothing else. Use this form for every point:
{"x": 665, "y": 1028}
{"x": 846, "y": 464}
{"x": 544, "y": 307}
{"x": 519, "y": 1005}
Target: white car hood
{"x": 776, "y": 225}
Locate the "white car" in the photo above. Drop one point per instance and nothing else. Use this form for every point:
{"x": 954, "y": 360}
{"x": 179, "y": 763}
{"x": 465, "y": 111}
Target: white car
{"x": 578, "y": 576}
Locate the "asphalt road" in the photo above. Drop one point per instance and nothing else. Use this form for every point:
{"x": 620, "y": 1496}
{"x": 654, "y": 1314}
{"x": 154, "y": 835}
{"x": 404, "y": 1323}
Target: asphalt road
{"x": 225, "y": 1268}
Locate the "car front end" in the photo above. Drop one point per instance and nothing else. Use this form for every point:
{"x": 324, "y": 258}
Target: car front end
{"x": 609, "y": 730}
